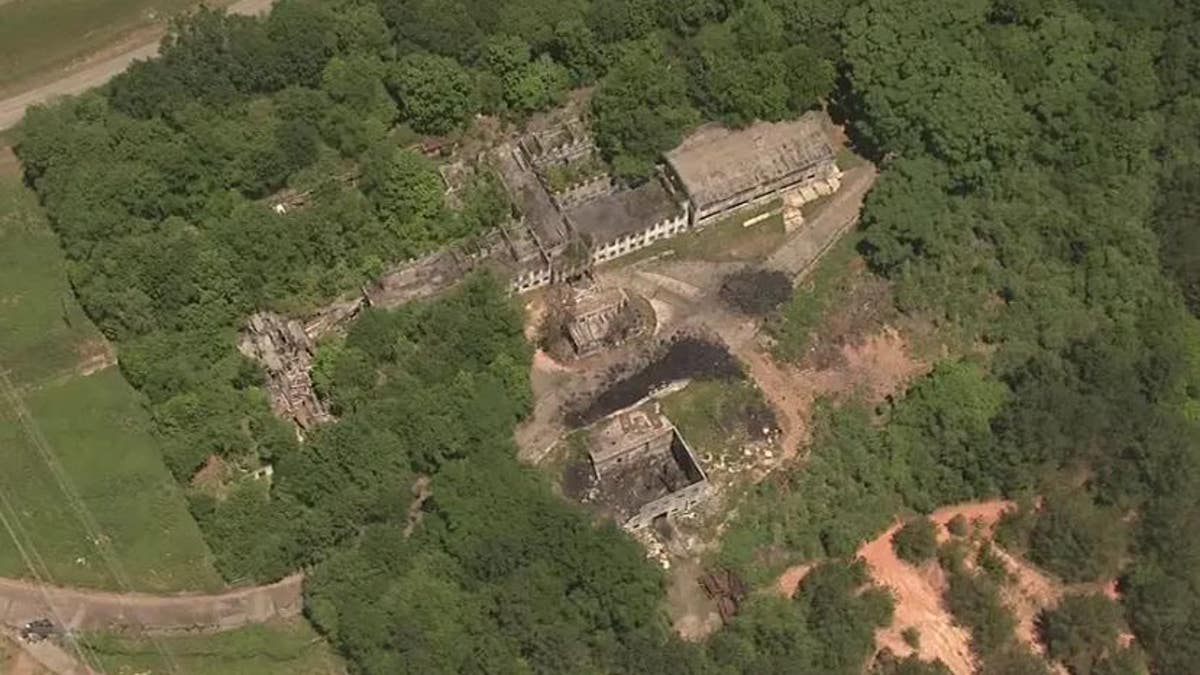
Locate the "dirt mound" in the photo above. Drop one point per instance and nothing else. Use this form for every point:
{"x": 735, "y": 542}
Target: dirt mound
{"x": 756, "y": 292}
{"x": 680, "y": 358}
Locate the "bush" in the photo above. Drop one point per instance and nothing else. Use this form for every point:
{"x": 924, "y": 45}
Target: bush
{"x": 916, "y": 542}
{"x": 1081, "y": 631}
{"x": 1077, "y": 540}
{"x": 958, "y": 526}
{"x": 975, "y": 602}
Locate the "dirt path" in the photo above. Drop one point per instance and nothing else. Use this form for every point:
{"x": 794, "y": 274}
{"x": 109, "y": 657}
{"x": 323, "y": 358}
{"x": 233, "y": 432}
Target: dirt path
{"x": 789, "y": 581}
{"x": 23, "y": 601}
{"x": 98, "y": 72}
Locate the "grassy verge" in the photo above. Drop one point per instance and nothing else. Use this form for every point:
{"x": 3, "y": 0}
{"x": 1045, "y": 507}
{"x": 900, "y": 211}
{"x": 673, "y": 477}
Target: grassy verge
{"x": 715, "y": 416}
{"x": 44, "y": 36}
{"x": 284, "y": 648}
{"x": 42, "y": 328}
{"x": 97, "y": 429}
{"x": 95, "y": 425}
{"x": 793, "y": 325}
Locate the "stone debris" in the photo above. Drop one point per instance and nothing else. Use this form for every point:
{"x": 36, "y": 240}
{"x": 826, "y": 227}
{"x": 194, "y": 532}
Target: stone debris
{"x": 286, "y": 352}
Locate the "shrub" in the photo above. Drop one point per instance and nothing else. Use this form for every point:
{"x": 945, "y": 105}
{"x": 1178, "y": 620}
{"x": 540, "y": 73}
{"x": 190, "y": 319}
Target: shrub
{"x": 916, "y": 542}
{"x": 958, "y": 526}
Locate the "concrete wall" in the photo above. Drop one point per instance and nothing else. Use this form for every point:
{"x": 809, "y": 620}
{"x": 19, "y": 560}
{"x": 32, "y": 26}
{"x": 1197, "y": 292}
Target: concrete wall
{"x": 709, "y": 213}
{"x": 657, "y": 445}
{"x": 629, "y": 243}
{"x": 681, "y": 500}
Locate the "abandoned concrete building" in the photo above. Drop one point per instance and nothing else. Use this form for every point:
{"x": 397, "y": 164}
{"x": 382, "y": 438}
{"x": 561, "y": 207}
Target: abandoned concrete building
{"x": 723, "y": 170}
{"x": 569, "y": 215}
{"x": 602, "y": 317}
{"x": 643, "y": 467}
{"x": 714, "y": 173}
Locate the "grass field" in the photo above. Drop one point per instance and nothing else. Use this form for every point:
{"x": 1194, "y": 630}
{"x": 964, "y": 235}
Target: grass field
{"x": 285, "y": 648}
{"x": 42, "y": 36}
{"x": 93, "y": 424}
{"x": 42, "y": 329}
{"x": 715, "y": 416}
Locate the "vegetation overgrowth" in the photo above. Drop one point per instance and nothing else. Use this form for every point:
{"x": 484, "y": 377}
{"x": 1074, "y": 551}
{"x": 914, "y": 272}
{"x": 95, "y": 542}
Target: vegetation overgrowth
{"x": 1034, "y": 194}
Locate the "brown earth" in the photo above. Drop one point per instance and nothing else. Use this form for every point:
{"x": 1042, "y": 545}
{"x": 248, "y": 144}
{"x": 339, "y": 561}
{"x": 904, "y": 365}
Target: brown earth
{"x": 918, "y": 592}
{"x": 212, "y": 476}
{"x": 9, "y": 164}
{"x": 23, "y": 601}
{"x": 789, "y": 581}
{"x": 94, "y": 355}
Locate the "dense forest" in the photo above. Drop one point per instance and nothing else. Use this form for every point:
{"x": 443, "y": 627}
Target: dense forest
{"x": 1040, "y": 166}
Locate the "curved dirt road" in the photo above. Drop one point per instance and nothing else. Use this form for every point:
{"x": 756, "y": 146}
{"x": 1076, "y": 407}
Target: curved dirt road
{"x": 13, "y": 108}
{"x": 23, "y": 601}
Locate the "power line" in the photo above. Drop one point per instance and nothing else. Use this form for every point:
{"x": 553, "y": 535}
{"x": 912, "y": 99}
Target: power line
{"x": 82, "y": 512}
{"x": 41, "y": 573}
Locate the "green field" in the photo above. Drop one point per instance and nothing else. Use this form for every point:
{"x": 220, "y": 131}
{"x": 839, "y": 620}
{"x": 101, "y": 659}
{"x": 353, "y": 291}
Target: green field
{"x": 716, "y": 416}
{"x": 94, "y": 425}
{"x": 42, "y": 329}
{"x": 285, "y": 648}
{"x": 41, "y": 36}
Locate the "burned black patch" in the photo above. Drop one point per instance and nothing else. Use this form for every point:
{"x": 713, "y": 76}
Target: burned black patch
{"x": 756, "y": 292}
{"x": 682, "y": 357}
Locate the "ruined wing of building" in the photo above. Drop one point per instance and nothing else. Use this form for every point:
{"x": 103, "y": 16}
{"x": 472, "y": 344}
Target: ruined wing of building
{"x": 712, "y": 175}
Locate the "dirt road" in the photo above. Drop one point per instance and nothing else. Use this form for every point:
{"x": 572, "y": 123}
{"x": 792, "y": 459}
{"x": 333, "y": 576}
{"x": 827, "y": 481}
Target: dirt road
{"x": 13, "y": 108}
{"x": 23, "y": 601}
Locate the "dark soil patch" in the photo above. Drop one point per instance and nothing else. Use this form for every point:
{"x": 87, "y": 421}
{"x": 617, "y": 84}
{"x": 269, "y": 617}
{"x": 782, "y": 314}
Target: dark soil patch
{"x": 756, "y": 292}
{"x": 681, "y": 357}
{"x": 760, "y": 421}
{"x": 578, "y": 479}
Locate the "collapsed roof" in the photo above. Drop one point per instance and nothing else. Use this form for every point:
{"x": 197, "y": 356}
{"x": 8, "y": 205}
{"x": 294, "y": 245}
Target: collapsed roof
{"x": 715, "y": 163}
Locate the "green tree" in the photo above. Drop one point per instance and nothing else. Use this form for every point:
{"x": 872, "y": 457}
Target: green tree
{"x": 405, "y": 188}
{"x": 436, "y": 93}
{"x": 916, "y": 542}
{"x": 641, "y": 109}
{"x": 1082, "y": 631}
{"x": 1077, "y": 540}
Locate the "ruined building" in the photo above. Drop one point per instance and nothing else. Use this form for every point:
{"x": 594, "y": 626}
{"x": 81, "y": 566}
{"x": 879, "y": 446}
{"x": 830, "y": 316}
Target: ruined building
{"x": 568, "y": 215}
{"x": 643, "y": 468}
{"x": 723, "y": 170}
{"x": 286, "y": 353}
{"x": 600, "y": 318}
{"x": 580, "y": 216}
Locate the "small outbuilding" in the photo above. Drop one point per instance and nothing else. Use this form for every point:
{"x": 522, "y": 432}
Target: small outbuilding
{"x": 643, "y": 467}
